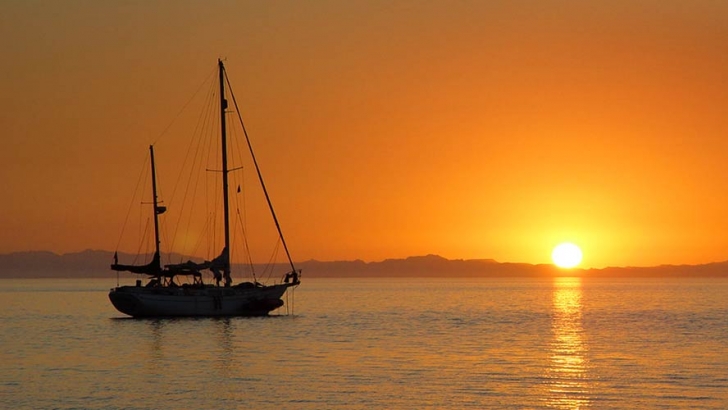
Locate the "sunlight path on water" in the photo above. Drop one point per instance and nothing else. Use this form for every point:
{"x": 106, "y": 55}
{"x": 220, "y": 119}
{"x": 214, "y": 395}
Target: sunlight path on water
{"x": 567, "y": 382}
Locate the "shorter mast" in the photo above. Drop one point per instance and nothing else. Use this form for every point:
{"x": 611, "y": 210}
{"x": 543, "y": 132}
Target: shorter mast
{"x": 153, "y": 268}
{"x": 157, "y": 209}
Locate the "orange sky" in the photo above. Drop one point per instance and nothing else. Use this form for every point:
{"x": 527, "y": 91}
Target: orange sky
{"x": 482, "y": 129}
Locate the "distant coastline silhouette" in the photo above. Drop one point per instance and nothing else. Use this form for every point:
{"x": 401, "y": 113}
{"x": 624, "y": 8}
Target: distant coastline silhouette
{"x": 94, "y": 264}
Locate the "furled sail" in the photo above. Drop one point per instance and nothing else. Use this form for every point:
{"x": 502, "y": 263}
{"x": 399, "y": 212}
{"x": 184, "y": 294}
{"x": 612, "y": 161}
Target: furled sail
{"x": 221, "y": 262}
{"x": 153, "y": 268}
{"x": 188, "y": 268}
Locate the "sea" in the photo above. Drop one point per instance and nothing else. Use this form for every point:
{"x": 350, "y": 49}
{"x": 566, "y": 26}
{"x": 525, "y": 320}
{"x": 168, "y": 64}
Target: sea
{"x": 549, "y": 343}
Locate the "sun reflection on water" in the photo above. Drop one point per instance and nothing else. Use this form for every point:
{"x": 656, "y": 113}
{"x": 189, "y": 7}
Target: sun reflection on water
{"x": 567, "y": 381}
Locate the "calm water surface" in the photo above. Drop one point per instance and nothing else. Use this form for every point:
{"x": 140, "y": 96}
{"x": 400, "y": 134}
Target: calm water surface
{"x": 387, "y": 344}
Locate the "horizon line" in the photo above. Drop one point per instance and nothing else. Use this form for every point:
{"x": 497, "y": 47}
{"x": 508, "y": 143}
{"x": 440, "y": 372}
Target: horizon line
{"x": 483, "y": 260}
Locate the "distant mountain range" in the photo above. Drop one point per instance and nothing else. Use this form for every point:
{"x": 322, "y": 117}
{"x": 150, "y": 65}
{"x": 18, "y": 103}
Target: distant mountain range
{"x": 95, "y": 264}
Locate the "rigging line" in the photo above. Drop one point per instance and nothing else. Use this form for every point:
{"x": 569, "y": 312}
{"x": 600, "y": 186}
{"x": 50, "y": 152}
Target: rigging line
{"x": 163, "y": 229}
{"x": 142, "y": 233}
{"x": 200, "y": 120}
{"x": 196, "y": 143}
{"x": 131, "y": 204}
{"x": 142, "y": 243}
{"x": 260, "y": 176}
{"x": 238, "y": 180}
{"x": 191, "y": 157}
{"x": 241, "y": 219}
{"x": 271, "y": 261}
{"x": 210, "y": 75}
{"x": 208, "y": 155}
{"x": 200, "y": 176}
{"x": 213, "y": 183}
{"x": 206, "y": 235}
{"x": 200, "y": 240}
{"x": 238, "y": 151}
{"x": 247, "y": 246}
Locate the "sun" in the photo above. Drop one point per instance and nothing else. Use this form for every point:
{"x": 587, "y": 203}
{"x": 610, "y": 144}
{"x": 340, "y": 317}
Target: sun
{"x": 566, "y": 255}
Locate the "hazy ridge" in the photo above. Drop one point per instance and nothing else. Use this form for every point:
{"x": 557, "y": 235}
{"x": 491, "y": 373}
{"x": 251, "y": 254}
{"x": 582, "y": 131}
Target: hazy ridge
{"x": 95, "y": 264}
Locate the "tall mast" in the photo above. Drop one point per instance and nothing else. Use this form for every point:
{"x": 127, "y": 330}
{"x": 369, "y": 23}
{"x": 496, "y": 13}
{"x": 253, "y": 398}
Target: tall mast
{"x": 223, "y": 131}
{"x": 157, "y": 209}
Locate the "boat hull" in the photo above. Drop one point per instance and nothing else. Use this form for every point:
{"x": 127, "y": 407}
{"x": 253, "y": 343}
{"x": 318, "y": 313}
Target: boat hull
{"x": 138, "y": 301}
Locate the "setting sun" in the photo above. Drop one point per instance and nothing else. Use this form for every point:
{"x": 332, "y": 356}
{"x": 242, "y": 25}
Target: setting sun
{"x": 566, "y": 255}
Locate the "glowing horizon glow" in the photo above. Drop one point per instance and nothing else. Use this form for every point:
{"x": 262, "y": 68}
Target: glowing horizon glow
{"x": 504, "y": 174}
{"x": 566, "y": 255}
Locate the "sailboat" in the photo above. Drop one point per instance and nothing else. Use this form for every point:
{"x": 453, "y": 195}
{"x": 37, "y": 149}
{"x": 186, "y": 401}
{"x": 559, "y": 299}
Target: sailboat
{"x": 162, "y": 296}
